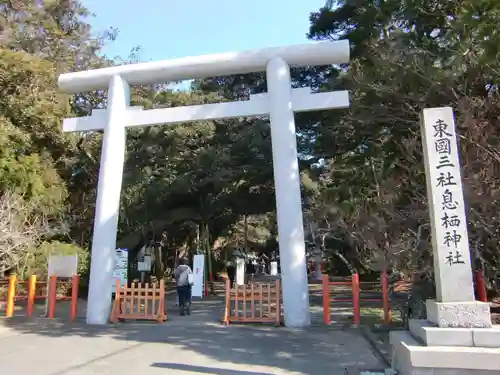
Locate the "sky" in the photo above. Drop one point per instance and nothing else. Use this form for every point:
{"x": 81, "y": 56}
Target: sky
{"x": 168, "y": 29}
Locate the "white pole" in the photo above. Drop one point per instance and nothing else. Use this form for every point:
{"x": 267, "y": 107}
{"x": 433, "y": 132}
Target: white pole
{"x": 288, "y": 195}
{"x": 108, "y": 203}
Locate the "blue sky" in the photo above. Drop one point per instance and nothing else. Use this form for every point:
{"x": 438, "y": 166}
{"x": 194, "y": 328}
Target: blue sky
{"x": 168, "y": 29}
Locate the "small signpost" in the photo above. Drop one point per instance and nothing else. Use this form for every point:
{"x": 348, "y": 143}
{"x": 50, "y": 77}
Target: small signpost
{"x": 63, "y": 265}
{"x": 199, "y": 276}
{"x": 144, "y": 266}
{"x": 274, "y": 268}
{"x": 60, "y": 266}
{"x": 121, "y": 268}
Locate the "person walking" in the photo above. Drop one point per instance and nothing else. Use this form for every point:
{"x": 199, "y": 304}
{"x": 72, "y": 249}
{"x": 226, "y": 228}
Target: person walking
{"x": 250, "y": 270}
{"x": 184, "y": 279}
{"x": 231, "y": 272}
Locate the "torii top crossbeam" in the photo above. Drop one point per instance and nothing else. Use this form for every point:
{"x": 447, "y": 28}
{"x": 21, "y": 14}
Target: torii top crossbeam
{"x": 311, "y": 54}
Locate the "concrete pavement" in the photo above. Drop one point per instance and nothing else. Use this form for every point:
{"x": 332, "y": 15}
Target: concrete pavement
{"x": 195, "y": 344}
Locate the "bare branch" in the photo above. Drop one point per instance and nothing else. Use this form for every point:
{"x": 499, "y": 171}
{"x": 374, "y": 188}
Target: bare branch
{"x": 20, "y": 230}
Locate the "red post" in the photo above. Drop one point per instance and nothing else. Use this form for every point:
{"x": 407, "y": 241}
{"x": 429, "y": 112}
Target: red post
{"x": 227, "y": 307}
{"x": 52, "y": 296}
{"x": 326, "y": 300}
{"x": 481, "y": 287}
{"x": 11, "y": 296}
{"x": 355, "y": 298}
{"x": 385, "y": 297}
{"x": 31, "y": 294}
{"x": 74, "y": 296}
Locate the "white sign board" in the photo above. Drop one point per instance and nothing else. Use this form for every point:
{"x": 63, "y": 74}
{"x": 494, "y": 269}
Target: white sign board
{"x": 274, "y": 268}
{"x": 63, "y": 265}
{"x": 452, "y": 263}
{"x": 121, "y": 268}
{"x": 240, "y": 271}
{"x": 144, "y": 266}
{"x": 199, "y": 276}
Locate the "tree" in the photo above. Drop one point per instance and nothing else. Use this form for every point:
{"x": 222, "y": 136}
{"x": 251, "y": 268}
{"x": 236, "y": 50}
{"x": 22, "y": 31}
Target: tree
{"x": 407, "y": 56}
{"x": 37, "y": 161}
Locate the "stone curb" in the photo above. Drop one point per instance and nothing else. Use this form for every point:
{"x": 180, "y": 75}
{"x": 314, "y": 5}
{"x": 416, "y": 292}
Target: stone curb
{"x": 373, "y": 341}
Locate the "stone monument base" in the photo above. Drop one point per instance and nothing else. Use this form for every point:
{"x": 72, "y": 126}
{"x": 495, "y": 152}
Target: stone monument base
{"x": 431, "y": 350}
{"x": 472, "y": 314}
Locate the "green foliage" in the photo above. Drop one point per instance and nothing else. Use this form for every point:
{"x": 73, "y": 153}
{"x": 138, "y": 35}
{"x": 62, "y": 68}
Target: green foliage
{"x": 37, "y": 161}
{"x": 31, "y": 109}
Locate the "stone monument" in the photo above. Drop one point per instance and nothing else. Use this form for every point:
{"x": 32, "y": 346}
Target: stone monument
{"x": 457, "y": 337}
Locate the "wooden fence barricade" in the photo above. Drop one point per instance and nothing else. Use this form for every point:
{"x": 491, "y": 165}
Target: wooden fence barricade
{"x": 139, "y": 303}
{"x": 254, "y": 303}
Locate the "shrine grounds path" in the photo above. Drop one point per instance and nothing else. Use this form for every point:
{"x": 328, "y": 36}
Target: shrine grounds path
{"x": 196, "y": 344}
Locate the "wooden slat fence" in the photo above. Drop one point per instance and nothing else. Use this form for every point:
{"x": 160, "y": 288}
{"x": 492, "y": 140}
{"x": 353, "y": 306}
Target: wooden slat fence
{"x": 139, "y": 302}
{"x": 254, "y": 303}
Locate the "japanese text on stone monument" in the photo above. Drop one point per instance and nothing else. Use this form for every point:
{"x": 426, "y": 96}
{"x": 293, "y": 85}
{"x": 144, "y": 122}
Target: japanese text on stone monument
{"x": 446, "y": 178}
{"x": 446, "y": 203}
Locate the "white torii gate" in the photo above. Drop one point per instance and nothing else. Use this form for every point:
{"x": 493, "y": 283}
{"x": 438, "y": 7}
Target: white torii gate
{"x": 280, "y": 103}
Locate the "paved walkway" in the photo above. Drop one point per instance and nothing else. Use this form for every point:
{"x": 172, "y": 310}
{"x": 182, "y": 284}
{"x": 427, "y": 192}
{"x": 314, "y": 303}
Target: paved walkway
{"x": 195, "y": 344}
